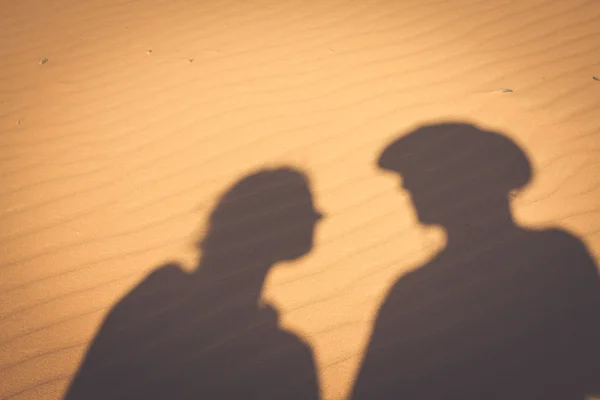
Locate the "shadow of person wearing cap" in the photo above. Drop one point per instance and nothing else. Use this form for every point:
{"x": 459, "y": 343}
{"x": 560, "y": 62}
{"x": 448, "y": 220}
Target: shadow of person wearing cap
{"x": 502, "y": 311}
{"x": 205, "y": 334}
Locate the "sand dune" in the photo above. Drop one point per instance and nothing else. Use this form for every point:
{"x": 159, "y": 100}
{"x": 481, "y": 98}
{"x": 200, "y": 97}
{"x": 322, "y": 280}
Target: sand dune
{"x": 115, "y": 150}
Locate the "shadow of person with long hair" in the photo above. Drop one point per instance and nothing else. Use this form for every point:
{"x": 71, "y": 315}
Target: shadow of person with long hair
{"x": 206, "y": 334}
{"x": 502, "y": 311}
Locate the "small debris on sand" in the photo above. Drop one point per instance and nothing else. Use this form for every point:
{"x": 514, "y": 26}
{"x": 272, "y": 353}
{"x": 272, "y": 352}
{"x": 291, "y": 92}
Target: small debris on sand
{"x": 43, "y": 61}
{"x": 505, "y": 90}
{"x": 595, "y": 78}
{"x": 149, "y": 51}
{"x": 191, "y": 60}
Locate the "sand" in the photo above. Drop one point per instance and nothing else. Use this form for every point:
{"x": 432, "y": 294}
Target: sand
{"x": 114, "y": 151}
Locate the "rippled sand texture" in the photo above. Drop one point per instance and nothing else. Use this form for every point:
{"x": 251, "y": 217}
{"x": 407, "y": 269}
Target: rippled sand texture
{"x": 113, "y": 151}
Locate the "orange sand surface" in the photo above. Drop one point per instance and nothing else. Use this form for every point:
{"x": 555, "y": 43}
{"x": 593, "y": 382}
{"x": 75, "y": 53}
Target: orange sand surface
{"x": 114, "y": 151}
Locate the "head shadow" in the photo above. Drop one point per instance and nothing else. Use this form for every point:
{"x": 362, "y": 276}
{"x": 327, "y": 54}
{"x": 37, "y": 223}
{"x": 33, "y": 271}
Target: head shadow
{"x": 264, "y": 218}
{"x": 458, "y": 174}
{"x": 502, "y": 311}
{"x": 205, "y": 334}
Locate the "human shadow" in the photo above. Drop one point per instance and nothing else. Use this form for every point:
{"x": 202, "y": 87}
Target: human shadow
{"x": 205, "y": 334}
{"x": 502, "y": 311}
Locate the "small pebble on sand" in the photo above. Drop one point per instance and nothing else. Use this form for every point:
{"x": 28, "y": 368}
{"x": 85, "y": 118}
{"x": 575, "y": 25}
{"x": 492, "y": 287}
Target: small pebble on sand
{"x": 595, "y": 78}
{"x": 43, "y": 61}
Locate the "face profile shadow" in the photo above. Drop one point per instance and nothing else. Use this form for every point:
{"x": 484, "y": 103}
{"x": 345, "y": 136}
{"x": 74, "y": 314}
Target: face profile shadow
{"x": 205, "y": 335}
{"x": 502, "y": 311}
